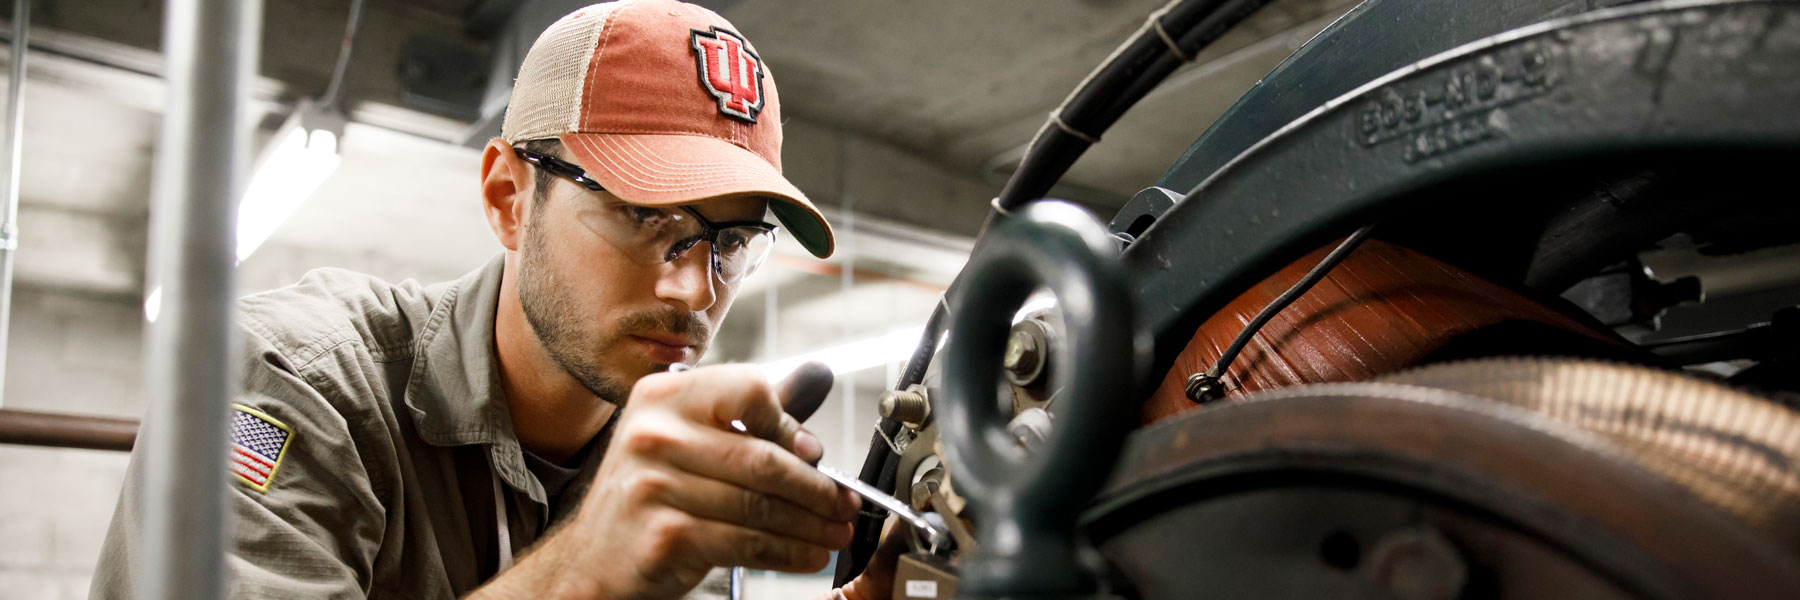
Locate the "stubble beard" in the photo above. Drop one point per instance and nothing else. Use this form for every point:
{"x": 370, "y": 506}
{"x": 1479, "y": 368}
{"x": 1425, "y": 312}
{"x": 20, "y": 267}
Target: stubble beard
{"x": 549, "y": 310}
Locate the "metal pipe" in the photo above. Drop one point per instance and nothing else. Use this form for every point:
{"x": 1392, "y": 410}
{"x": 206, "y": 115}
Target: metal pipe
{"x": 210, "y": 47}
{"x": 31, "y": 428}
{"x": 9, "y": 215}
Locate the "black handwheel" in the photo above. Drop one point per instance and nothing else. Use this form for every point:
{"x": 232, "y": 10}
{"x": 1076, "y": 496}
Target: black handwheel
{"x": 1026, "y": 507}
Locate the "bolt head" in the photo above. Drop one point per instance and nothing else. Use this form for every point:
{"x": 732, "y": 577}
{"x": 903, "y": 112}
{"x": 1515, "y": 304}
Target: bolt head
{"x": 1202, "y": 388}
{"x": 1021, "y": 351}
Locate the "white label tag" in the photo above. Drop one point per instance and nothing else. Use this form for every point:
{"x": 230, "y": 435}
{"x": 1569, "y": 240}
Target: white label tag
{"x": 921, "y": 589}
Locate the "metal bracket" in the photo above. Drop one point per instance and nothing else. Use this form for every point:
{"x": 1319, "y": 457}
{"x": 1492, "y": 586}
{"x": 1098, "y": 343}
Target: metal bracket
{"x": 1142, "y": 211}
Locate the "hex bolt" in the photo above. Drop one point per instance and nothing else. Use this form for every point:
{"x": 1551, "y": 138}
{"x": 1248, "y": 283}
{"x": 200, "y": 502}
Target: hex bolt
{"x": 927, "y": 485}
{"x": 906, "y": 406}
{"x": 1021, "y": 352}
{"x": 1027, "y": 349}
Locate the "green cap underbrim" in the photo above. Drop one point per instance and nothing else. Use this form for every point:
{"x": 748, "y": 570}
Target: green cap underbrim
{"x": 810, "y": 230}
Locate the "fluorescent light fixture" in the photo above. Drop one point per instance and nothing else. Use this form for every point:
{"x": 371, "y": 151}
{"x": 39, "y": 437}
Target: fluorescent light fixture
{"x": 300, "y": 162}
{"x": 299, "y": 158}
{"x": 897, "y": 345}
{"x": 855, "y": 356}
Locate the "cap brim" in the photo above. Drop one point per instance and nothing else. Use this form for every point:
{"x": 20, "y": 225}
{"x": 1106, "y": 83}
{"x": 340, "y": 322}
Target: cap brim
{"x": 664, "y": 170}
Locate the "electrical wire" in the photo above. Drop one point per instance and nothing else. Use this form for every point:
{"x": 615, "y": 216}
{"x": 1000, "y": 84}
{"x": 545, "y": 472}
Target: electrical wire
{"x": 1212, "y": 377}
{"x": 334, "y": 91}
{"x": 1312, "y": 277}
{"x": 1129, "y": 73}
{"x": 1125, "y": 77}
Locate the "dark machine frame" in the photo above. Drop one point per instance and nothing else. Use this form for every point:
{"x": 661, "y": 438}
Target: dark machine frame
{"x": 1386, "y": 121}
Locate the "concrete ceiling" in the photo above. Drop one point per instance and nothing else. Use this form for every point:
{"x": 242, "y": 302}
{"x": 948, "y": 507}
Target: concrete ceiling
{"x": 968, "y": 83}
{"x": 958, "y": 85}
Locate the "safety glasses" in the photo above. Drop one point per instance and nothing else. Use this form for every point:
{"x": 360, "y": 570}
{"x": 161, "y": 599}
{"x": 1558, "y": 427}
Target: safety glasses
{"x": 654, "y": 235}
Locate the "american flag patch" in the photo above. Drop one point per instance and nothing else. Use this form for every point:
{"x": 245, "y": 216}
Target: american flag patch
{"x": 257, "y": 443}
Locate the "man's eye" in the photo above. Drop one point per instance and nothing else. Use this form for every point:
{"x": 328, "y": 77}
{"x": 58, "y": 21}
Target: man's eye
{"x": 648, "y": 217}
{"x": 732, "y": 240}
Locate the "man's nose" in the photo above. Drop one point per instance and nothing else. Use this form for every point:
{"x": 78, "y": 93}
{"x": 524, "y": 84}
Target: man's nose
{"x": 689, "y": 279}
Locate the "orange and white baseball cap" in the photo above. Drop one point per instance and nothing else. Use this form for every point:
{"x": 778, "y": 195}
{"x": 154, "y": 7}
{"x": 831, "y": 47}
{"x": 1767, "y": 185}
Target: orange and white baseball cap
{"x": 663, "y": 103}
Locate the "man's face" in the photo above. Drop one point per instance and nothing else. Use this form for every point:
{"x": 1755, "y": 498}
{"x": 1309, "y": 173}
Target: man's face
{"x": 605, "y": 318}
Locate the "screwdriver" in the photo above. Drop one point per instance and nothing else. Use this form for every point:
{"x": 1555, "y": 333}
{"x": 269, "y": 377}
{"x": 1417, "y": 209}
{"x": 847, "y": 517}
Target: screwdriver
{"x": 802, "y": 392}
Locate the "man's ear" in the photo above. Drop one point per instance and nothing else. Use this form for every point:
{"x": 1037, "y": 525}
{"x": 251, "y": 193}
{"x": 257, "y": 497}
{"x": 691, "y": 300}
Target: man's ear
{"x": 506, "y": 189}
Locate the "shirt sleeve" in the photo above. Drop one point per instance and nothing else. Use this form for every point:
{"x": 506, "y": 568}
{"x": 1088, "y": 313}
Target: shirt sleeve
{"x": 306, "y": 520}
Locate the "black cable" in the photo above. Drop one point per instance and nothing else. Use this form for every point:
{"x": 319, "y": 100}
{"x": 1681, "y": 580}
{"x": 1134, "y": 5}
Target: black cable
{"x": 1205, "y": 387}
{"x": 1130, "y": 73}
{"x": 880, "y": 463}
{"x": 1135, "y": 68}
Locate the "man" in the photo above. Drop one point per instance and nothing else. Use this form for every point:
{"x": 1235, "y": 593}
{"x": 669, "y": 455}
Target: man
{"x": 407, "y": 441}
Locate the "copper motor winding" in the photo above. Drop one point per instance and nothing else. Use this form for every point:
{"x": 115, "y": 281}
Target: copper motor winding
{"x": 1388, "y": 313}
{"x": 1383, "y": 309}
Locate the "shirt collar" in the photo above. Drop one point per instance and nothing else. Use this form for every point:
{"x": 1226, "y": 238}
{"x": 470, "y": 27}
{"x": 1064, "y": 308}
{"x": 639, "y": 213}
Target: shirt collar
{"x": 454, "y": 389}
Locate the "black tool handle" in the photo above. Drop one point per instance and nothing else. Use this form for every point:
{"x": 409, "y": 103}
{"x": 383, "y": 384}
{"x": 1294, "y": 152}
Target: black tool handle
{"x": 803, "y": 390}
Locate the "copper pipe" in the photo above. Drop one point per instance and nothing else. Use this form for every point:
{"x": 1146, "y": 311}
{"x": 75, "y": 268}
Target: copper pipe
{"x": 33, "y": 428}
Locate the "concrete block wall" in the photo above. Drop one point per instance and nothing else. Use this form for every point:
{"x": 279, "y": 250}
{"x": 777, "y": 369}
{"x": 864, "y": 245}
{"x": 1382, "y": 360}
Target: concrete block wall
{"x": 72, "y": 352}
{"x": 76, "y": 350}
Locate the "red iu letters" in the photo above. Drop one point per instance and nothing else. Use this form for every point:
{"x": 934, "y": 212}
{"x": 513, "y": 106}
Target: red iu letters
{"x": 730, "y": 72}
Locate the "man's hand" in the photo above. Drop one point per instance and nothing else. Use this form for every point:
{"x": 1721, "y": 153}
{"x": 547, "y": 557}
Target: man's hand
{"x": 681, "y": 491}
{"x": 877, "y": 580}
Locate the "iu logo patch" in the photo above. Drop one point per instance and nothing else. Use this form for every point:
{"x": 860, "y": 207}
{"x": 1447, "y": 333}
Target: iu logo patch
{"x": 258, "y": 442}
{"x": 730, "y": 72}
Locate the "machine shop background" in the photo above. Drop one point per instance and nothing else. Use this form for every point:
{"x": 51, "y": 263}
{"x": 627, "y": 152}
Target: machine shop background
{"x": 903, "y": 118}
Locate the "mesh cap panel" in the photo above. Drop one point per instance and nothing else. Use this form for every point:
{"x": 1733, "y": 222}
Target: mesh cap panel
{"x": 546, "y": 98}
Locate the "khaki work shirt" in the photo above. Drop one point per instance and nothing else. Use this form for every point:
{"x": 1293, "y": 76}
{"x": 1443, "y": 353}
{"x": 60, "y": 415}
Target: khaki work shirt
{"x": 398, "y": 432}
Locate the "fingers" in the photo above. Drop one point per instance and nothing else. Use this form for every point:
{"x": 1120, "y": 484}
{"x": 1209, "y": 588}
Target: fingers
{"x": 877, "y": 579}
{"x": 685, "y": 491}
{"x": 754, "y": 464}
{"x": 719, "y": 501}
{"x": 722, "y": 394}
{"x": 685, "y": 538}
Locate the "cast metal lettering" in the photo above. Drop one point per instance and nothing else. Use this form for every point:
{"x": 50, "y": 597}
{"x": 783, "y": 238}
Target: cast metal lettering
{"x": 1459, "y": 105}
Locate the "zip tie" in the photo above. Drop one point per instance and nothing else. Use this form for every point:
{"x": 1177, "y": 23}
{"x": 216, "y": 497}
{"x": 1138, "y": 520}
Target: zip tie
{"x": 1156, "y": 23}
{"x": 892, "y": 445}
{"x": 1056, "y": 117}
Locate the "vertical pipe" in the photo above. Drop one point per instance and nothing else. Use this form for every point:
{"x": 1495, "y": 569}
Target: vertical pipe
{"x": 210, "y": 48}
{"x": 9, "y": 225}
